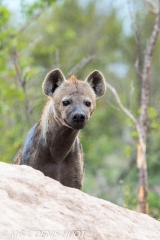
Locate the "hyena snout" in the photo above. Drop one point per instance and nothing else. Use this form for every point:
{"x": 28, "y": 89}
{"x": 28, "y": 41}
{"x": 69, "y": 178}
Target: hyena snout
{"x": 79, "y": 117}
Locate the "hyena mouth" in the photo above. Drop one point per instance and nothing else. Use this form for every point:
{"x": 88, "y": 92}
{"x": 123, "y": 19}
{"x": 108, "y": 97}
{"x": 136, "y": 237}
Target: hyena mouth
{"x": 76, "y": 126}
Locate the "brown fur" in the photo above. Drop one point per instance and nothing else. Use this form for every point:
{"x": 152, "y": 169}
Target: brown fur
{"x": 72, "y": 78}
{"x": 52, "y": 145}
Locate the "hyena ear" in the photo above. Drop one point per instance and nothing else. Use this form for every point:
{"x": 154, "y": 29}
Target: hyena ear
{"x": 97, "y": 82}
{"x": 53, "y": 80}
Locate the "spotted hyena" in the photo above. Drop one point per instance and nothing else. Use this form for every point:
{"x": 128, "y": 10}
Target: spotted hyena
{"x": 52, "y": 145}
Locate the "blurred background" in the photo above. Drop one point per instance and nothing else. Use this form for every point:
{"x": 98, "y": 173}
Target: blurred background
{"x": 79, "y": 36}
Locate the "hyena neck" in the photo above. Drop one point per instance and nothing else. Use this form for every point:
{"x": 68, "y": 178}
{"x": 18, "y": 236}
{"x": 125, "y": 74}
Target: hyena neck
{"x": 58, "y": 137}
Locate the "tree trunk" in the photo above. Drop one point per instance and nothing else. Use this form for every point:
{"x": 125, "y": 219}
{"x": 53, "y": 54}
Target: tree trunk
{"x": 141, "y": 156}
{"x": 142, "y": 178}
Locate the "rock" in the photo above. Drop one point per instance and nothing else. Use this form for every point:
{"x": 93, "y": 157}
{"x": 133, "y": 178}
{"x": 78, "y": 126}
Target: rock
{"x": 36, "y": 207}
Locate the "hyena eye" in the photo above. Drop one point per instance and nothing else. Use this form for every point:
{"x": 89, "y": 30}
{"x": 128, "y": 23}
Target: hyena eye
{"x": 88, "y": 104}
{"x": 66, "y": 103}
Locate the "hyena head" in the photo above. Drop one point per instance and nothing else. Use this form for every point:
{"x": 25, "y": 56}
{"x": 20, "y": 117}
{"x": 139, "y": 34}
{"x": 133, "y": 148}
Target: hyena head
{"x": 74, "y": 101}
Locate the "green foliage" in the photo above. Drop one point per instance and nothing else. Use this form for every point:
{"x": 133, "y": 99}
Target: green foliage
{"x": 154, "y": 204}
{"x": 129, "y": 200}
{"x": 62, "y": 34}
{"x": 31, "y": 9}
{"x": 153, "y": 118}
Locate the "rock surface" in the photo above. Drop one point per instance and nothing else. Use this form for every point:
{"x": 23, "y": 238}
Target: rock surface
{"x": 36, "y": 207}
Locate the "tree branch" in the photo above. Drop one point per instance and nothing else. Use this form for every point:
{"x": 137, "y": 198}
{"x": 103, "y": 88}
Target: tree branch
{"x": 129, "y": 114}
{"x": 138, "y": 63}
{"x": 146, "y": 76}
{"x": 80, "y": 65}
{"x": 24, "y": 27}
{"x": 125, "y": 110}
{"x": 153, "y": 8}
{"x": 22, "y": 82}
{"x": 33, "y": 18}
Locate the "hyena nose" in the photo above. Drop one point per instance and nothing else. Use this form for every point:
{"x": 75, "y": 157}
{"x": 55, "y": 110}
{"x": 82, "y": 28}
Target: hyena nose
{"x": 79, "y": 117}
